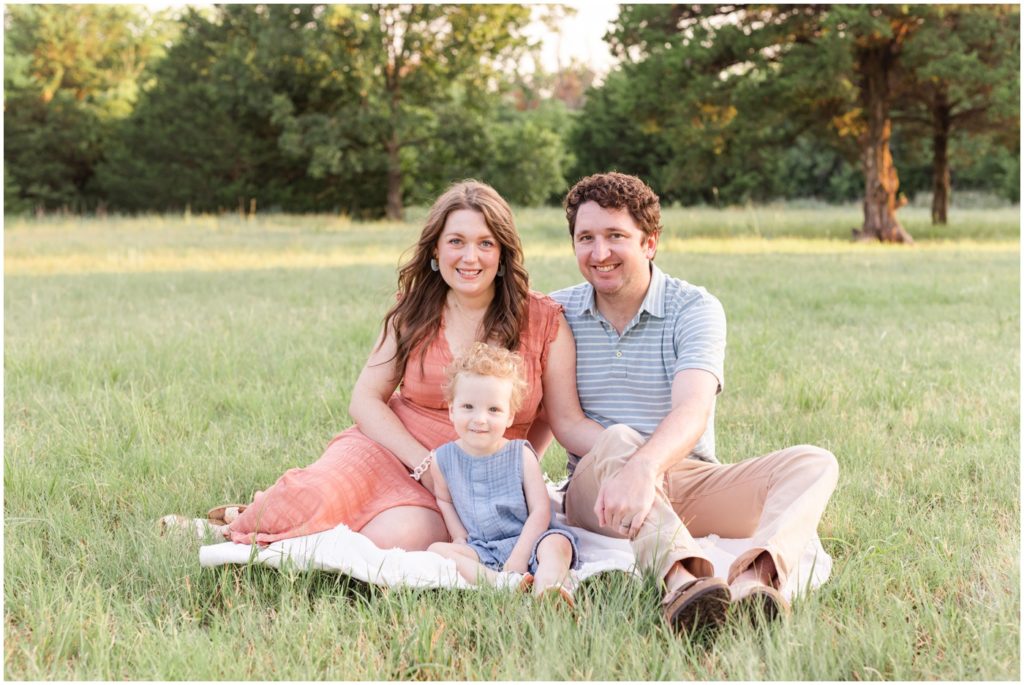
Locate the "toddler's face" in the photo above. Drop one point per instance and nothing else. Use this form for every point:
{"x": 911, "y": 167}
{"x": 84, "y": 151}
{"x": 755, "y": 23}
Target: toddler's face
{"x": 480, "y": 412}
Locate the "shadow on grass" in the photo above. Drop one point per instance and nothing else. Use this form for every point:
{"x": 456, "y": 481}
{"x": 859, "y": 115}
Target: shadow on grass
{"x": 214, "y": 593}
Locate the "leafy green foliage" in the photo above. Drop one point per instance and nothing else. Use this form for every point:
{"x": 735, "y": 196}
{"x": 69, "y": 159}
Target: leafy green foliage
{"x": 362, "y": 109}
{"x": 736, "y": 103}
{"x": 960, "y": 90}
{"x": 208, "y": 121}
{"x": 70, "y": 73}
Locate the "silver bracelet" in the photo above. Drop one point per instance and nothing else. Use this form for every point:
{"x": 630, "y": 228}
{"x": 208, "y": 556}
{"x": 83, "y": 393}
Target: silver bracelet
{"x": 418, "y": 472}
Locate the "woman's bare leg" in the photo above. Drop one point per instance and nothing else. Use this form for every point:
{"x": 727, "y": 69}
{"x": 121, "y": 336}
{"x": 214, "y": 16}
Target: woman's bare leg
{"x": 408, "y": 528}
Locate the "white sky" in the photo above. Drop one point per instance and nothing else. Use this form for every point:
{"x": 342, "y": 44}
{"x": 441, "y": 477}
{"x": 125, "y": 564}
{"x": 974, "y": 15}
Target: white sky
{"x": 580, "y": 37}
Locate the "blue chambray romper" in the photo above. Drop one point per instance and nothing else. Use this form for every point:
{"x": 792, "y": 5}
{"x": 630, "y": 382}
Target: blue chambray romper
{"x": 488, "y": 496}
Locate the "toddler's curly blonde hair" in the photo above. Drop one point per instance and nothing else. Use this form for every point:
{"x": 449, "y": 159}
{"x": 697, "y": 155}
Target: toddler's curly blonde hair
{"x": 483, "y": 360}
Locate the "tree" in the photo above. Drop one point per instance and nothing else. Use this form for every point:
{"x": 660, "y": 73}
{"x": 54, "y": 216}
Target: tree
{"x": 786, "y": 71}
{"x": 288, "y": 105}
{"x": 617, "y": 130}
{"x": 70, "y": 73}
{"x": 878, "y": 35}
{"x": 528, "y": 159}
{"x": 961, "y": 72}
{"x": 205, "y": 120}
{"x": 407, "y": 67}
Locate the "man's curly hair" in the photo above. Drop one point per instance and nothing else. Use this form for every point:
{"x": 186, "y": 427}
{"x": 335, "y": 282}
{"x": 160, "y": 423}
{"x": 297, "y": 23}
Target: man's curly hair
{"x": 613, "y": 190}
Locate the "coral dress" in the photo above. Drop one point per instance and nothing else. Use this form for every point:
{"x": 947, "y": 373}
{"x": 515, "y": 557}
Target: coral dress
{"x": 356, "y": 479}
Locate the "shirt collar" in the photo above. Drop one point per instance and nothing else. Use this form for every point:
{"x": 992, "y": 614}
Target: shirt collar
{"x": 654, "y": 301}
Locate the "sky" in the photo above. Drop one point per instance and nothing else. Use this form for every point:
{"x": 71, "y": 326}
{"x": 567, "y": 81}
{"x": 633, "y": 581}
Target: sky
{"x": 580, "y": 37}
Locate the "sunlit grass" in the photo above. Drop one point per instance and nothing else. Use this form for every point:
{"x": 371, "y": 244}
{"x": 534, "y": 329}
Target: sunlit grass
{"x": 71, "y": 245}
{"x": 162, "y": 259}
{"x": 154, "y": 365}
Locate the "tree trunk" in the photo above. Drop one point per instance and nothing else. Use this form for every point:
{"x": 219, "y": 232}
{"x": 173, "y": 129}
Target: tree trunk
{"x": 394, "y": 209}
{"x": 941, "y": 123}
{"x": 390, "y": 17}
{"x": 881, "y": 183}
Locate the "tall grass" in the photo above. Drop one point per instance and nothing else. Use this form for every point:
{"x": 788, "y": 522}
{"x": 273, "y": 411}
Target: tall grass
{"x": 155, "y": 365}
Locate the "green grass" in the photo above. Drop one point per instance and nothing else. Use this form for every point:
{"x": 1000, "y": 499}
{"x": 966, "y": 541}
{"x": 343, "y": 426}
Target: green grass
{"x": 153, "y": 365}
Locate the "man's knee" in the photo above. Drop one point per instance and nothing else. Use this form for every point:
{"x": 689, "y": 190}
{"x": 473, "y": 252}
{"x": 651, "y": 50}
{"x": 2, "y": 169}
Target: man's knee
{"x": 620, "y": 432}
{"x": 616, "y": 443}
{"x": 818, "y": 462}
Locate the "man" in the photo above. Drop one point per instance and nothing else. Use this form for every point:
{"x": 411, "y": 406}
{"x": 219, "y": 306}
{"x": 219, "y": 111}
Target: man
{"x": 650, "y": 352}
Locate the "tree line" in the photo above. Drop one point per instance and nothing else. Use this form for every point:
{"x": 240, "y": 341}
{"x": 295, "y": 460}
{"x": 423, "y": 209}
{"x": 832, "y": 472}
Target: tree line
{"x": 364, "y": 109}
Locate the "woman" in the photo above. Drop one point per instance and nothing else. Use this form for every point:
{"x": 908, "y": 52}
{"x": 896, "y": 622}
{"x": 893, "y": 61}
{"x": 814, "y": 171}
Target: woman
{"x": 465, "y": 282}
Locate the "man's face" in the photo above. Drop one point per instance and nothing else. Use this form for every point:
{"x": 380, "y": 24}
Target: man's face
{"x": 612, "y": 252}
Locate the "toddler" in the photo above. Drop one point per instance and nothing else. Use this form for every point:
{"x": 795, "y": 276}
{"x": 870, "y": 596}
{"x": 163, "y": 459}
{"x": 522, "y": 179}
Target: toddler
{"x": 490, "y": 489}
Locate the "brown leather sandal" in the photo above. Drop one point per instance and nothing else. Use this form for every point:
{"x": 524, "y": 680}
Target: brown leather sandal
{"x": 697, "y": 604}
{"x": 761, "y": 600}
{"x": 225, "y": 513}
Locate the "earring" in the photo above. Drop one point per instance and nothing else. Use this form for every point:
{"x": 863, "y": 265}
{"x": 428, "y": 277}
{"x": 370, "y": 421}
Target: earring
{"x": 433, "y": 265}
{"x": 501, "y": 271}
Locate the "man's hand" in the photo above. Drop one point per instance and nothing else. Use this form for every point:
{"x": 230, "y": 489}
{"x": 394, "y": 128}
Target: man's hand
{"x": 626, "y": 498}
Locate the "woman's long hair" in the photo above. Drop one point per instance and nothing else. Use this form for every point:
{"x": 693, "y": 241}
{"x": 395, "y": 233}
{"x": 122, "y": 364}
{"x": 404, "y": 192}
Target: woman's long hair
{"x": 416, "y": 316}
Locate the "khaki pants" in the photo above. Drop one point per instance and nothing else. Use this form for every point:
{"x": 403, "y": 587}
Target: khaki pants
{"x": 777, "y": 500}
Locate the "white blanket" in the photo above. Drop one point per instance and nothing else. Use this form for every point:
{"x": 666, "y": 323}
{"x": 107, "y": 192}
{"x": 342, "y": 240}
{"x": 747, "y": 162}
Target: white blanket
{"x": 341, "y": 550}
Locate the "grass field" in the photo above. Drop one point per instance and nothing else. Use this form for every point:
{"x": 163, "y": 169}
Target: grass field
{"x": 165, "y": 364}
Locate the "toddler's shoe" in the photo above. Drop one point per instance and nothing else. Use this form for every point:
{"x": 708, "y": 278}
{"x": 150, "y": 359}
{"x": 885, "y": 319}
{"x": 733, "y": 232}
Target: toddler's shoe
{"x": 557, "y": 592}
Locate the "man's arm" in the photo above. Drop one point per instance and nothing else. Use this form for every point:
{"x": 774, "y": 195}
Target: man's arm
{"x": 628, "y": 496}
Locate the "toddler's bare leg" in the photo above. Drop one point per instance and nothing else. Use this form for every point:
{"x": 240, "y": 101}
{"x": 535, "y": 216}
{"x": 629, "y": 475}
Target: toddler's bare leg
{"x": 554, "y": 554}
{"x": 466, "y": 561}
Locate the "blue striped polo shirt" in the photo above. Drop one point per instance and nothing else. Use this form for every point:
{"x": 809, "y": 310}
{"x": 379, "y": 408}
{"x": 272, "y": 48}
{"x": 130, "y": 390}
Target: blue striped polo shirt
{"x": 628, "y": 378}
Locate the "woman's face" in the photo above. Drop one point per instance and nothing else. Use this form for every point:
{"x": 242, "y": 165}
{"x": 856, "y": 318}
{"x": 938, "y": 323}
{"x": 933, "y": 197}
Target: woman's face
{"x": 468, "y": 254}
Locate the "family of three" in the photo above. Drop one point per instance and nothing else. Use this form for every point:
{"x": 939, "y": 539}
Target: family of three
{"x": 472, "y": 374}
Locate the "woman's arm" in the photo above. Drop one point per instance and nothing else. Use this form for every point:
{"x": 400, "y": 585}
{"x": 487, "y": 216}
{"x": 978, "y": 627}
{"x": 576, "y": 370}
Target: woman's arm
{"x": 539, "y": 507}
{"x": 574, "y": 431}
{"x": 369, "y": 407}
{"x": 539, "y": 434}
{"x": 452, "y": 521}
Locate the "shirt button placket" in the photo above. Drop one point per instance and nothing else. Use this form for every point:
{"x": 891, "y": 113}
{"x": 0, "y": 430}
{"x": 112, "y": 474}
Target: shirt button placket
{"x": 618, "y": 365}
